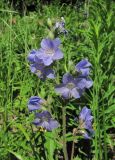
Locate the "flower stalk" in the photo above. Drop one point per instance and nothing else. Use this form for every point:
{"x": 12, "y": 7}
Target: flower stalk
{"x": 64, "y": 132}
{"x": 72, "y": 151}
{"x": 73, "y": 143}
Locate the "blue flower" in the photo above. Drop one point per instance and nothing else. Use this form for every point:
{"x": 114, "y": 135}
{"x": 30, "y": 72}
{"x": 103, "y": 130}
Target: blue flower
{"x": 37, "y": 66}
{"x": 70, "y": 87}
{"x": 42, "y": 71}
{"x": 85, "y": 122}
{"x": 32, "y": 57}
{"x": 49, "y": 51}
{"x": 84, "y": 82}
{"x": 45, "y": 120}
{"x": 35, "y": 103}
{"x": 83, "y": 67}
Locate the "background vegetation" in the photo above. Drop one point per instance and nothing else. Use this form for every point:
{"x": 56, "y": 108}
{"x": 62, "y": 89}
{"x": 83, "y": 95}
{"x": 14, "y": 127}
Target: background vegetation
{"x": 91, "y": 33}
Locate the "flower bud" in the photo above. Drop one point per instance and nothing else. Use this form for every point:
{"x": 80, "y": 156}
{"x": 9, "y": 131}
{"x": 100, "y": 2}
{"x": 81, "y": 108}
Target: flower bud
{"x": 50, "y": 35}
{"x": 49, "y": 22}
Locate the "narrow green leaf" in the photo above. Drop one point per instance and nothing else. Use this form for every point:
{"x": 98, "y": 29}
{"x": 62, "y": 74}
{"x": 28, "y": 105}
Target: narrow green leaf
{"x": 19, "y": 126}
{"x": 17, "y": 155}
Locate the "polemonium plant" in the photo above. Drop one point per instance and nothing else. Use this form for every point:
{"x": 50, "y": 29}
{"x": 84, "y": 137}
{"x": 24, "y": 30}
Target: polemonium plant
{"x": 72, "y": 87}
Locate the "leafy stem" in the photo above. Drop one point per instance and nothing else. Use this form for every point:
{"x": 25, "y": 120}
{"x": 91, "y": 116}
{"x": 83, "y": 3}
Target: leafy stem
{"x": 64, "y": 131}
{"x": 72, "y": 151}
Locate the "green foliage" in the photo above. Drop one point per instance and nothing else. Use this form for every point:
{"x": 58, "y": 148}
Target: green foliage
{"x": 90, "y": 36}
{"x": 17, "y": 155}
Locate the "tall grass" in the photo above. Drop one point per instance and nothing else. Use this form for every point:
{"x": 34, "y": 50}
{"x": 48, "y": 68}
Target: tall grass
{"x": 90, "y": 36}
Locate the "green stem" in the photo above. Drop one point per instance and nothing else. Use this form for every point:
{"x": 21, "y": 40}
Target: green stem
{"x": 105, "y": 138}
{"x": 33, "y": 146}
{"x": 64, "y": 132}
{"x": 72, "y": 152}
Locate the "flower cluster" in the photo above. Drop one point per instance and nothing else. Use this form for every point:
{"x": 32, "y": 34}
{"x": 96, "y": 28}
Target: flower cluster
{"x": 41, "y": 63}
{"x": 75, "y": 86}
{"x": 42, "y": 119}
{"x": 42, "y": 59}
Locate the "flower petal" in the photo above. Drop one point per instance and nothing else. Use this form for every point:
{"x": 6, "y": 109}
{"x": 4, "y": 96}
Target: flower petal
{"x": 85, "y": 71}
{"x": 46, "y": 44}
{"x": 49, "y": 73}
{"x": 53, "y": 124}
{"x": 86, "y": 136}
{"x": 43, "y": 114}
{"x": 46, "y": 125}
{"x": 85, "y": 111}
{"x": 61, "y": 89}
{"x": 76, "y": 93}
{"x": 37, "y": 69}
{"x": 40, "y": 54}
{"x": 80, "y": 82}
{"x": 58, "y": 54}
{"x": 47, "y": 60}
{"x": 67, "y": 77}
{"x": 83, "y": 64}
{"x": 83, "y": 82}
{"x": 56, "y": 43}
{"x": 34, "y": 103}
{"x": 33, "y": 68}
{"x": 31, "y": 56}
{"x": 89, "y": 83}
{"x": 37, "y": 121}
{"x": 33, "y": 107}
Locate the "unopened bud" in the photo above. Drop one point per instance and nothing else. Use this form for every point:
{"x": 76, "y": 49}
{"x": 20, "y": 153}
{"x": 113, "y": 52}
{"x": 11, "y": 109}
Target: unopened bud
{"x": 74, "y": 131}
{"x": 51, "y": 35}
{"x": 49, "y": 22}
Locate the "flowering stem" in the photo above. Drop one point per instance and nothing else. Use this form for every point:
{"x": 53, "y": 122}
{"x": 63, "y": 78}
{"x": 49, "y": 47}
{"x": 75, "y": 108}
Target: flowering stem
{"x": 32, "y": 146}
{"x": 34, "y": 152}
{"x": 72, "y": 152}
{"x": 64, "y": 132}
{"x": 43, "y": 152}
{"x": 75, "y": 130}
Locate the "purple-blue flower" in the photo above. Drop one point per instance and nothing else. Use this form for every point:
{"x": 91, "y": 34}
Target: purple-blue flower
{"x": 49, "y": 51}
{"x": 84, "y": 82}
{"x": 85, "y": 122}
{"x": 83, "y": 67}
{"x": 35, "y": 103}
{"x": 37, "y": 67}
{"x": 42, "y": 71}
{"x": 70, "y": 87}
{"x": 32, "y": 57}
{"x": 45, "y": 120}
